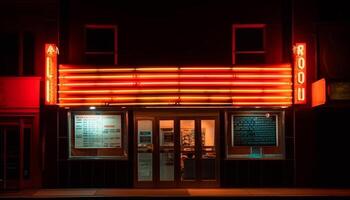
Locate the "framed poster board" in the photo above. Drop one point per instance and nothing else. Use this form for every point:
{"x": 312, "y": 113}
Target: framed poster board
{"x": 255, "y": 130}
{"x": 255, "y": 135}
{"x": 97, "y": 135}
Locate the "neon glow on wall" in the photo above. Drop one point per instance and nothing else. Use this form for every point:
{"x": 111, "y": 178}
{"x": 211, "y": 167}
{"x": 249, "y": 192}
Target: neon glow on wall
{"x": 50, "y": 74}
{"x": 175, "y": 86}
{"x": 300, "y": 73}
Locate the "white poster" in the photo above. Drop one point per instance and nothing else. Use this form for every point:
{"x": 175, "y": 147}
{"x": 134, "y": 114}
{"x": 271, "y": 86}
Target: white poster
{"x": 97, "y": 131}
{"x": 144, "y": 132}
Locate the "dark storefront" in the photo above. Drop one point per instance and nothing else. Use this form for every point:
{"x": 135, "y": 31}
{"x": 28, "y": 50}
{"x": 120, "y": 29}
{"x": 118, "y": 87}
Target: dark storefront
{"x": 177, "y": 95}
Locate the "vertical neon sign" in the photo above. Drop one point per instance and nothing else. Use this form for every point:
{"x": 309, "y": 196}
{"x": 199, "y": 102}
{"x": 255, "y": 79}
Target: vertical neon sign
{"x": 51, "y": 52}
{"x": 300, "y": 73}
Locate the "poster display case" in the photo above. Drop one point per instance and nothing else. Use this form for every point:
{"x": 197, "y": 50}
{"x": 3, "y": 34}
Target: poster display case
{"x": 255, "y": 135}
{"x": 97, "y": 135}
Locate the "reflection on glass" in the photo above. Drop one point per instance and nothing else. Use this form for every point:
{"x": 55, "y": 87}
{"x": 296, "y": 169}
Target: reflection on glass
{"x": 166, "y": 162}
{"x": 166, "y": 148}
{"x": 208, "y": 149}
{"x": 144, "y": 166}
{"x": 187, "y": 142}
{"x": 144, "y": 128}
{"x": 166, "y": 130}
{"x": 145, "y": 150}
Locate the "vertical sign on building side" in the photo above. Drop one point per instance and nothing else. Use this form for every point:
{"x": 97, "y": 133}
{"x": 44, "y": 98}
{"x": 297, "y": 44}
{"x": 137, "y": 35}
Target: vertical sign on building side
{"x": 299, "y": 52}
{"x": 51, "y": 52}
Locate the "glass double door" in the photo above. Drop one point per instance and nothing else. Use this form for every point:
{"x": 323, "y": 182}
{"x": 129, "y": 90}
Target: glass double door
{"x": 176, "y": 152}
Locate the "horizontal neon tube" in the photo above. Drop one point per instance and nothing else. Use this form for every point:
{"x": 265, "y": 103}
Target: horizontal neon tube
{"x": 262, "y": 97}
{"x": 259, "y": 76}
{"x": 215, "y": 83}
{"x": 141, "y": 103}
{"x": 118, "y": 91}
{"x": 155, "y": 69}
{"x": 282, "y": 104}
{"x": 140, "y": 98}
{"x": 85, "y": 70}
{"x": 177, "y": 90}
{"x": 118, "y": 98}
{"x": 235, "y": 90}
{"x": 256, "y": 76}
{"x": 261, "y": 69}
{"x": 116, "y": 104}
{"x": 81, "y": 104}
{"x": 97, "y": 77}
{"x": 235, "y": 97}
{"x": 239, "y": 68}
{"x": 237, "y": 103}
{"x": 166, "y": 76}
{"x": 203, "y": 103}
{"x": 176, "y": 97}
{"x": 152, "y": 83}
{"x": 97, "y": 70}
{"x": 97, "y": 84}
{"x": 262, "y": 103}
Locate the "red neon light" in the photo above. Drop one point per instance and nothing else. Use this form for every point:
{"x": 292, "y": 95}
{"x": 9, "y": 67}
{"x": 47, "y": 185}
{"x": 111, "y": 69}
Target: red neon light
{"x": 269, "y": 85}
{"x": 50, "y": 74}
{"x": 127, "y": 91}
{"x": 300, "y": 73}
{"x": 318, "y": 93}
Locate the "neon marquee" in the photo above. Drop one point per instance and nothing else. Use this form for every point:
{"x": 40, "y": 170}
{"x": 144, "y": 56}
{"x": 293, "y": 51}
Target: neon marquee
{"x": 258, "y": 85}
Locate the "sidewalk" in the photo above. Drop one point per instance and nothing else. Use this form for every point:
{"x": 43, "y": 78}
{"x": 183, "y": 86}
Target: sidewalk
{"x": 288, "y": 193}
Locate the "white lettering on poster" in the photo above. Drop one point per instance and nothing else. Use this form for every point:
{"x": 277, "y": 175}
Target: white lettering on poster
{"x": 97, "y": 131}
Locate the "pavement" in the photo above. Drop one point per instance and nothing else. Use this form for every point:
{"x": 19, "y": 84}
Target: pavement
{"x": 186, "y": 193}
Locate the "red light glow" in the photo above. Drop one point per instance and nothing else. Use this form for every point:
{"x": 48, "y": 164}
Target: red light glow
{"x": 50, "y": 74}
{"x": 300, "y": 73}
{"x": 318, "y": 93}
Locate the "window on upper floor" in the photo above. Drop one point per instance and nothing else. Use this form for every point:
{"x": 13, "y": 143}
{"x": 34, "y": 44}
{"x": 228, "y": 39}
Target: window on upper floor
{"x": 248, "y": 44}
{"x": 16, "y": 53}
{"x": 101, "y": 44}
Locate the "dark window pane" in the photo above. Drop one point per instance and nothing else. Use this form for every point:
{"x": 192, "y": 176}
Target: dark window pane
{"x": 99, "y": 40}
{"x": 100, "y": 59}
{"x": 250, "y": 58}
{"x": 12, "y": 153}
{"x": 208, "y": 169}
{"x": 26, "y": 152}
{"x": 28, "y": 54}
{"x": 9, "y": 53}
{"x": 249, "y": 39}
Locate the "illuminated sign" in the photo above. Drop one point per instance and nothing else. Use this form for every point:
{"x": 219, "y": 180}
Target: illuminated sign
{"x": 51, "y": 52}
{"x": 260, "y": 85}
{"x": 97, "y": 131}
{"x": 300, "y": 73}
{"x": 318, "y": 92}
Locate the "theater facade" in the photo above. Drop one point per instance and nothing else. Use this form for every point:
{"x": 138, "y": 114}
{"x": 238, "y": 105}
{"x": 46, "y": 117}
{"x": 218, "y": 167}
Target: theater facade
{"x": 193, "y": 94}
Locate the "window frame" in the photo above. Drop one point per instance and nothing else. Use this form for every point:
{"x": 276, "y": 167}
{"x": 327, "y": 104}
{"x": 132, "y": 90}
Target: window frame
{"x": 246, "y": 26}
{"x": 102, "y": 26}
{"x": 124, "y": 136}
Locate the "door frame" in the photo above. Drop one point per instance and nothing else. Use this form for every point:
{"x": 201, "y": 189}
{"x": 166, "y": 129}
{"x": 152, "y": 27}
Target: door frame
{"x": 176, "y": 116}
{"x": 4, "y": 130}
{"x": 27, "y": 120}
